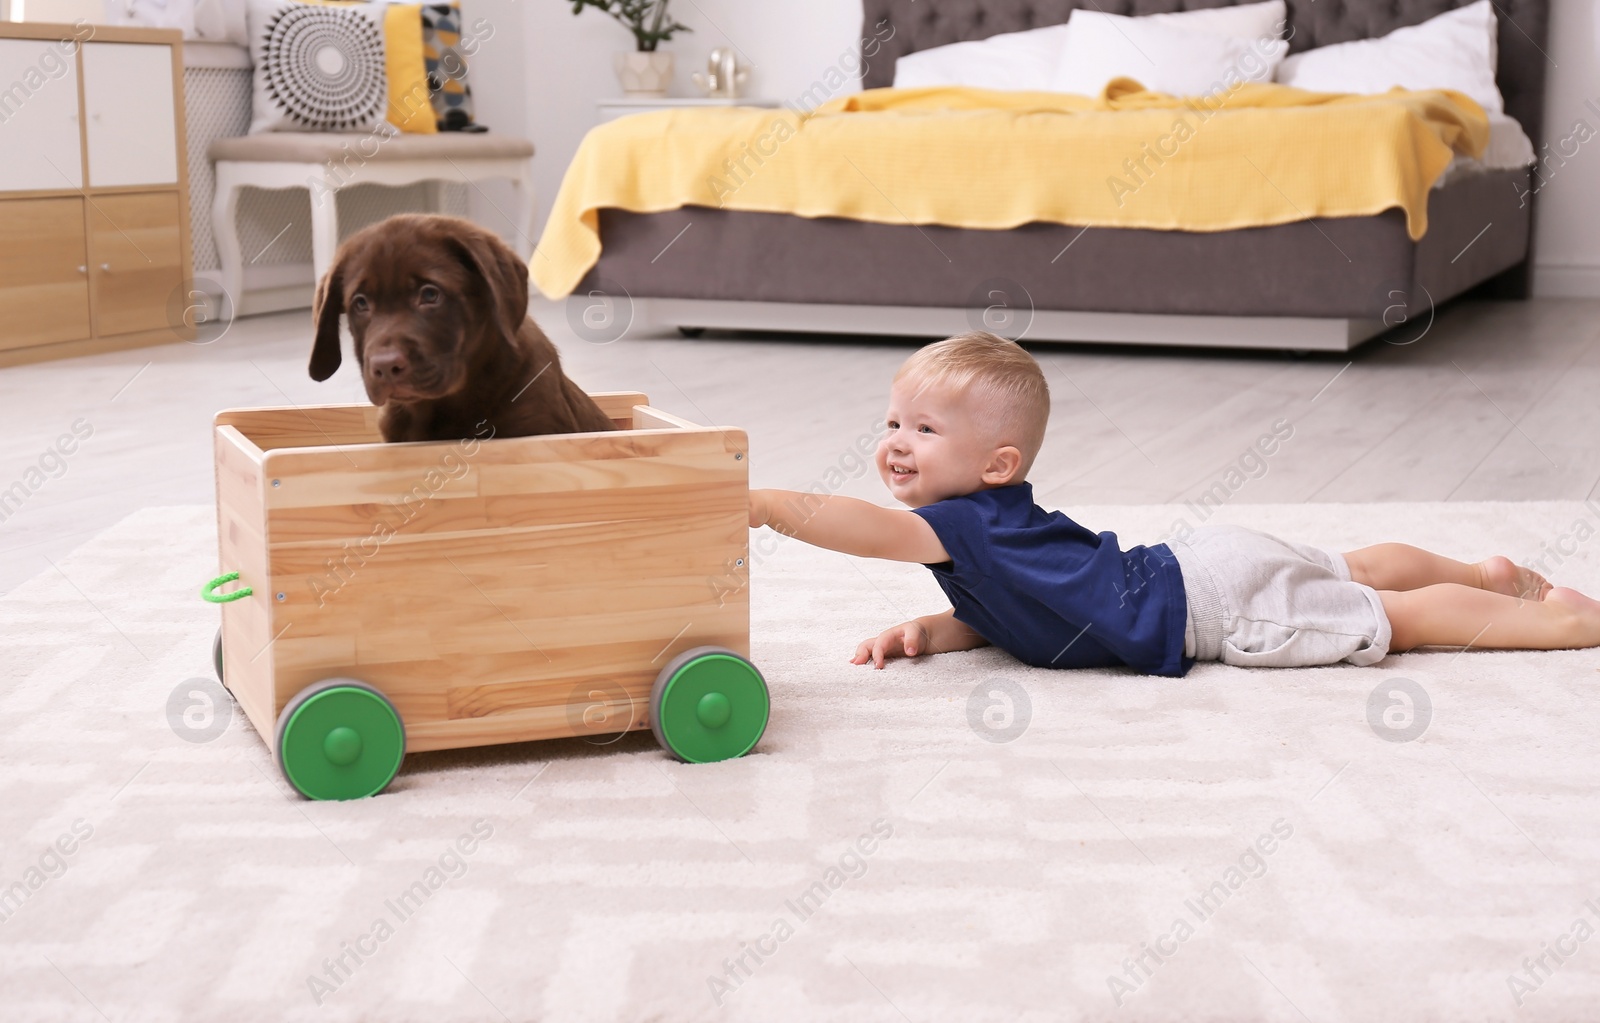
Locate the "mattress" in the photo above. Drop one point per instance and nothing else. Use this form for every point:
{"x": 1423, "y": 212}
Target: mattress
{"x": 1352, "y": 267}
{"x": 1509, "y": 148}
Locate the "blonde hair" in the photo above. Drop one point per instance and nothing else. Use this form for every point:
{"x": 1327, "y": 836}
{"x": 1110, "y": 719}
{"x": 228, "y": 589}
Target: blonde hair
{"x": 1004, "y": 386}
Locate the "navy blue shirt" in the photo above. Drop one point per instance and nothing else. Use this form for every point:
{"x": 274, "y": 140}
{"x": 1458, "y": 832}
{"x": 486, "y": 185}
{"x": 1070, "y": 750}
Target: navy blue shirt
{"x": 1051, "y": 593}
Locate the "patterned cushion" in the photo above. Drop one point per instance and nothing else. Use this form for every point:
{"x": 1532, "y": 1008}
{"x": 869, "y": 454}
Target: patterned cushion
{"x": 317, "y": 67}
{"x": 446, "y": 55}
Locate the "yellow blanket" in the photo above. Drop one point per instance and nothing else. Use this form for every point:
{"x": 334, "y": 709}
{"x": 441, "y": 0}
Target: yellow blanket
{"x": 1262, "y": 154}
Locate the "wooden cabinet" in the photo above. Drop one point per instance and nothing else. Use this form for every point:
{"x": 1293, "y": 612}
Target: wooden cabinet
{"x": 94, "y": 225}
{"x": 44, "y": 280}
{"x": 136, "y": 260}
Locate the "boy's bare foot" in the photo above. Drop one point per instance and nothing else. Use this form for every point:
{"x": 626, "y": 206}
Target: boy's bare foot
{"x": 1575, "y": 600}
{"x": 1587, "y": 609}
{"x": 1502, "y": 575}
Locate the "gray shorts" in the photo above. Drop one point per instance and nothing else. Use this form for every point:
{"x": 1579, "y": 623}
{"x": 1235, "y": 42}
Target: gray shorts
{"x": 1258, "y": 601}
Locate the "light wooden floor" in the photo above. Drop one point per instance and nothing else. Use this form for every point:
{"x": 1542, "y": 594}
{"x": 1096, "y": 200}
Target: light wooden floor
{"x": 1494, "y": 402}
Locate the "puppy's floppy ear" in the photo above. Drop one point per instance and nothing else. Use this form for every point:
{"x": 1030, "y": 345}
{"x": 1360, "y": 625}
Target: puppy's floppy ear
{"x": 325, "y": 313}
{"x": 504, "y": 275}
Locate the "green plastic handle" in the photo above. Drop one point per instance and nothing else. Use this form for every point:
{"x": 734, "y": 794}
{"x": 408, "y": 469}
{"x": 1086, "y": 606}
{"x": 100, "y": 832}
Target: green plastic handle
{"x": 208, "y": 591}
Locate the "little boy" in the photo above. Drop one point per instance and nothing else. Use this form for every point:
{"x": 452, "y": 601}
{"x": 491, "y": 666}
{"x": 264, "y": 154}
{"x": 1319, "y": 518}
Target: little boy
{"x": 967, "y": 416}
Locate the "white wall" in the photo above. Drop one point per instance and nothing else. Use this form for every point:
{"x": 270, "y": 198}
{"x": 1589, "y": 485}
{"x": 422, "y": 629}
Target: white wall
{"x": 568, "y": 67}
{"x": 791, "y": 46}
{"x": 65, "y": 12}
{"x": 1567, "y": 239}
{"x": 497, "y": 73}
{"x": 569, "y": 61}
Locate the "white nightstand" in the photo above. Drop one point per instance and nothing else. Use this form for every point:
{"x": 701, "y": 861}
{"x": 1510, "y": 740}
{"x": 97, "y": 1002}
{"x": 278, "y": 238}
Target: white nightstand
{"x": 611, "y": 109}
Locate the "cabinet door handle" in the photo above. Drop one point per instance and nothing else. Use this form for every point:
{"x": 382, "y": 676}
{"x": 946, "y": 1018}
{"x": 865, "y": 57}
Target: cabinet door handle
{"x": 105, "y": 267}
{"x": 83, "y": 269}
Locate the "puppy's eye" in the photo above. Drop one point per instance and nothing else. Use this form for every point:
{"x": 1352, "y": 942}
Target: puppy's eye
{"x": 429, "y": 295}
{"x": 359, "y": 304}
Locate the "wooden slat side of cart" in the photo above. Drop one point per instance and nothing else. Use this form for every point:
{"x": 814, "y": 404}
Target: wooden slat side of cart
{"x": 495, "y": 591}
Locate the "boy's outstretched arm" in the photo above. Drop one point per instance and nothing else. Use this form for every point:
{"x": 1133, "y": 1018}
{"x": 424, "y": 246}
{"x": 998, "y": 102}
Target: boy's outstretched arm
{"x": 930, "y": 634}
{"x": 848, "y": 525}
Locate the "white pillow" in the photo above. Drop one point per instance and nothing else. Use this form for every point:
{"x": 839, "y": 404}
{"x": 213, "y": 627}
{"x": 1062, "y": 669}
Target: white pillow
{"x": 151, "y": 14}
{"x": 1456, "y": 50}
{"x": 1252, "y": 21}
{"x": 1024, "y": 61}
{"x": 1028, "y": 61}
{"x": 1162, "y": 57}
{"x": 221, "y": 21}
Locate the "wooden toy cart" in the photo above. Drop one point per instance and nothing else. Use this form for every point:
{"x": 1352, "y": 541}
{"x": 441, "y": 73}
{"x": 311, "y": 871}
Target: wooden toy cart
{"x": 460, "y": 593}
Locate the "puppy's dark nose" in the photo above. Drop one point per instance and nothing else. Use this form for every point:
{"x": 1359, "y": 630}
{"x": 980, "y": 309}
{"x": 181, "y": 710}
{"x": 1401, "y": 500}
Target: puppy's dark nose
{"x": 389, "y": 367}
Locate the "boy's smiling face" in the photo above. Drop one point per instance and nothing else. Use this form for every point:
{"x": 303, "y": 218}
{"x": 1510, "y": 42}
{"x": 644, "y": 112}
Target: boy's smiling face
{"x": 936, "y": 448}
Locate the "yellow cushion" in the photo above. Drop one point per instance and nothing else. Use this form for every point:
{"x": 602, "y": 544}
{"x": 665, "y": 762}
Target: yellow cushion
{"x": 410, "y": 109}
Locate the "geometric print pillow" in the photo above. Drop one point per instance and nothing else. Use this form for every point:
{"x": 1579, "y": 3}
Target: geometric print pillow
{"x": 446, "y": 60}
{"x": 317, "y": 67}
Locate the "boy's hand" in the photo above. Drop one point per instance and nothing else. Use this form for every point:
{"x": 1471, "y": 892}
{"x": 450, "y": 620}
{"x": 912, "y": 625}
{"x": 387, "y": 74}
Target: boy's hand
{"x": 905, "y": 640}
{"x": 758, "y": 509}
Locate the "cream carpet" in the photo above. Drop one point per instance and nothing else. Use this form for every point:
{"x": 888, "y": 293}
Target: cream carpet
{"x": 880, "y": 857}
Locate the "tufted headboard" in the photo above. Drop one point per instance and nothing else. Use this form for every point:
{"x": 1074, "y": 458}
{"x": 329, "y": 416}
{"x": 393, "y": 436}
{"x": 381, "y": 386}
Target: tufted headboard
{"x": 922, "y": 24}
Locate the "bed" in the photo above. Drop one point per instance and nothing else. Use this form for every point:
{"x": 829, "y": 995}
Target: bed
{"x": 1316, "y": 284}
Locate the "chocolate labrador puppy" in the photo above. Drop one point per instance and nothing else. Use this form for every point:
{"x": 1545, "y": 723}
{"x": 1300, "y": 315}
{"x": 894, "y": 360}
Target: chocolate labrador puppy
{"x": 438, "y": 309}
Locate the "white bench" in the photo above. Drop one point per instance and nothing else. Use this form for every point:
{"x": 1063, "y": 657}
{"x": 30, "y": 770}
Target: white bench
{"x": 322, "y": 163}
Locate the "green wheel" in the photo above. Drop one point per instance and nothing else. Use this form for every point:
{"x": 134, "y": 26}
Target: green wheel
{"x": 340, "y": 739}
{"x": 709, "y": 704}
{"x": 216, "y": 658}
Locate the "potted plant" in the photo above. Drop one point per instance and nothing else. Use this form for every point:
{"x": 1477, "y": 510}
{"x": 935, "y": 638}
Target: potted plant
{"x": 645, "y": 71}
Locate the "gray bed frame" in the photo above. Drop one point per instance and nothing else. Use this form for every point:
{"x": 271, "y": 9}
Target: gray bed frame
{"x": 1321, "y": 284}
